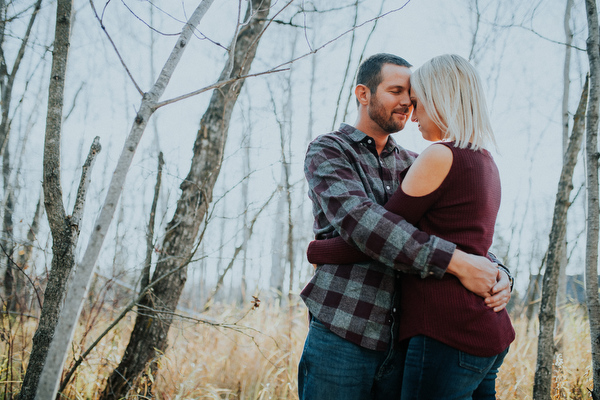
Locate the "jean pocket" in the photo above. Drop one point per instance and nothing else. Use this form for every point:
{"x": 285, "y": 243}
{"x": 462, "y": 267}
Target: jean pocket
{"x": 475, "y": 363}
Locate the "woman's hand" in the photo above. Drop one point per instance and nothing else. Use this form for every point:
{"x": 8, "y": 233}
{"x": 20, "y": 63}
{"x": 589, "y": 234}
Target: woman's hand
{"x": 500, "y": 293}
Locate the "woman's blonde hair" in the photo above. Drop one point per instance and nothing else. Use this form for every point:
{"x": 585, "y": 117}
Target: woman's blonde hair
{"x": 450, "y": 90}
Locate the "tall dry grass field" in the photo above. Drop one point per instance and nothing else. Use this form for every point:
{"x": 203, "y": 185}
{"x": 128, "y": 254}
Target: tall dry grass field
{"x": 253, "y": 353}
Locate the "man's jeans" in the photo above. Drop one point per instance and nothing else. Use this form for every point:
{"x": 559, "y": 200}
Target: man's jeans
{"x": 333, "y": 368}
{"x": 434, "y": 370}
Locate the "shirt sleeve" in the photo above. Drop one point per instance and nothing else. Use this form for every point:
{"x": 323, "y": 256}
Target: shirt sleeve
{"x": 336, "y": 187}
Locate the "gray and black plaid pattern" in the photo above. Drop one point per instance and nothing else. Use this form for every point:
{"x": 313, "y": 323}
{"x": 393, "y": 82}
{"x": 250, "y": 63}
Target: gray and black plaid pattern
{"x": 348, "y": 184}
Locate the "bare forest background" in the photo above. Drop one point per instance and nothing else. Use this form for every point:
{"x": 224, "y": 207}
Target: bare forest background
{"x": 153, "y": 152}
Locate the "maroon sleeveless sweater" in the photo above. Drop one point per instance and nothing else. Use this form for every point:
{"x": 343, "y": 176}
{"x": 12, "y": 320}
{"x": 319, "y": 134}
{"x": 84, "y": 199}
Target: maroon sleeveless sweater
{"x": 462, "y": 210}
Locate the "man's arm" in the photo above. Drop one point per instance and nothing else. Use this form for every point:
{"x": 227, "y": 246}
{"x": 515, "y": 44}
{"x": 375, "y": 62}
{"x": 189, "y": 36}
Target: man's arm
{"x": 337, "y": 189}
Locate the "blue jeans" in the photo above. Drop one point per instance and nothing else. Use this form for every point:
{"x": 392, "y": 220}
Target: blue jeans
{"x": 434, "y": 370}
{"x": 333, "y": 368}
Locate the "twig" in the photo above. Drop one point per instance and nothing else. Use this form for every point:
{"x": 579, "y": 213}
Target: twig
{"x": 538, "y": 34}
{"x": 346, "y": 72}
{"x": 24, "y": 273}
{"x": 343, "y": 34}
{"x": 147, "y": 24}
{"x": 236, "y": 252}
{"x": 150, "y": 234}
{"x": 140, "y": 91}
{"x": 215, "y": 86}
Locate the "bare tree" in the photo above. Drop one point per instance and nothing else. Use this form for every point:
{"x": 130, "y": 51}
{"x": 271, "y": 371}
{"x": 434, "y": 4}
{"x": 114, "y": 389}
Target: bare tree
{"x": 13, "y": 280}
{"x": 49, "y": 380}
{"x": 591, "y": 256}
{"x": 149, "y": 336}
{"x": 545, "y": 357}
{"x": 64, "y": 228}
{"x": 7, "y": 78}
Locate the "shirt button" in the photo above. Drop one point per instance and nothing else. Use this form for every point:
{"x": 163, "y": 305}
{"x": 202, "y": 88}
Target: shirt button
{"x": 387, "y": 187}
{"x": 369, "y": 141}
{"x": 394, "y": 310}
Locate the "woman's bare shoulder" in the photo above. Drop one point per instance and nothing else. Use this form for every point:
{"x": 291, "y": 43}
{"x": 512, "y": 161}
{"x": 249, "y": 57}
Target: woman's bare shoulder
{"x": 428, "y": 171}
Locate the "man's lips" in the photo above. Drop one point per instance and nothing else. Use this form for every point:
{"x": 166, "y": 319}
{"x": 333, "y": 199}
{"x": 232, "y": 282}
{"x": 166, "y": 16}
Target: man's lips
{"x": 403, "y": 111}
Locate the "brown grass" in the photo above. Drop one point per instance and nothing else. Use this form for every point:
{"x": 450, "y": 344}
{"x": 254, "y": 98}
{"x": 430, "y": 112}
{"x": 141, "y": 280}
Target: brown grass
{"x": 256, "y": 357}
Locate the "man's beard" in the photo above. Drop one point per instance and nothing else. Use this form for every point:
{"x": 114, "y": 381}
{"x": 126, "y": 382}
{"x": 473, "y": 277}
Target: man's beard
{"x": 378, "y": 114}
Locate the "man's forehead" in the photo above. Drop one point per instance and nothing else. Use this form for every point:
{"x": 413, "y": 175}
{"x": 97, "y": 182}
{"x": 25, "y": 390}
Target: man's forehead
{"x": 394, "y": 68}
{"x": 395, "y": 75}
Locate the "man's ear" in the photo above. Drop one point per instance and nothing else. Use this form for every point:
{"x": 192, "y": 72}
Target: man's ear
{"x": 363, "y": 94}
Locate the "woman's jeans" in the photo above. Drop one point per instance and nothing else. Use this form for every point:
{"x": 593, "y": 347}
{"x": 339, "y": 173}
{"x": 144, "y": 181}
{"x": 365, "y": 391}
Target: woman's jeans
{"x": 437, "y": 371}
{"x": 333, "y": 368}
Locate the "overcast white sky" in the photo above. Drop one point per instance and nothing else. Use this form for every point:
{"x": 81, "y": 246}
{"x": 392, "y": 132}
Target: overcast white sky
{"x": 522, "y": 69}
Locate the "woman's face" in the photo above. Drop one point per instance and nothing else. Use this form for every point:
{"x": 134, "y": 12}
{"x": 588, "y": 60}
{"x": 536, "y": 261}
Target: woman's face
{"x": 428, "y": 128}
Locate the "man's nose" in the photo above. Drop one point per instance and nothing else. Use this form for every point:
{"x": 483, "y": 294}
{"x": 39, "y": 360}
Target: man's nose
{"x": 405, "y": 100}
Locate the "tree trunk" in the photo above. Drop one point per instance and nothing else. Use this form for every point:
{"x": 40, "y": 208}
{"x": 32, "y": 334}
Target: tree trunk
{"x": 64, "y": 234}
{"x": 561, "y": 299}
{"x": 11, "y": 274}
{"x": 149, "y": 337}
{"x": 545, "y": 357}
{"x": 591, "y": 275}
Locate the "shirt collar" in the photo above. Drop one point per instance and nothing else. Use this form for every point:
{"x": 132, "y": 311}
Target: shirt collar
{"x": 359, "y": 136}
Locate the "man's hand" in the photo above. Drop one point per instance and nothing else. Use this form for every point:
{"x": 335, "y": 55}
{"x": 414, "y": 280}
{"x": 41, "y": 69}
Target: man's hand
{"x": 476, "y": 273}
{"x": 500, "y": 293}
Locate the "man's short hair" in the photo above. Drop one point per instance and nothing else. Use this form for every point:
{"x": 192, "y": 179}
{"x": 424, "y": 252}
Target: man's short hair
{"x": 369, "y": 71}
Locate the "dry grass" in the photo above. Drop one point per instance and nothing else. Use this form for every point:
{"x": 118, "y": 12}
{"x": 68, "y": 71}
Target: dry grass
{"x": 256, "y": 357}
{"x": 573, "y": 370}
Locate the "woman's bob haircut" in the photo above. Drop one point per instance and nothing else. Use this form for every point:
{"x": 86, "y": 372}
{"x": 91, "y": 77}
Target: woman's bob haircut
{"x": 450, "y": 90}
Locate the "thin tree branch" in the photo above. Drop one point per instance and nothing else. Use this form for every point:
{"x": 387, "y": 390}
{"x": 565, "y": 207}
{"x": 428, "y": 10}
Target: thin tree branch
{"x": 24, "y": 273}
{"x": 150, "y": 234}
{"x": 238, "y": 249}
{"x": 140, "y": 91}
{"x": 147, "y": 24}
{"x": 215, "y": 86}
{"x": 347, "y": 71}
{"x": 539, "y": 35}
{"x": 343, "y": 34}
{"x": 84, "y": 182}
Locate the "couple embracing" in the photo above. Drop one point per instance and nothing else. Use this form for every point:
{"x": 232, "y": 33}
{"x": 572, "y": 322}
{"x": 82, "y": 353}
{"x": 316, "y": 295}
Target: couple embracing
{"x": 405, "y": 302}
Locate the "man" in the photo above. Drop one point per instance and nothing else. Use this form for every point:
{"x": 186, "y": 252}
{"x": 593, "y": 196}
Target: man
{"x": 349, "y": 351}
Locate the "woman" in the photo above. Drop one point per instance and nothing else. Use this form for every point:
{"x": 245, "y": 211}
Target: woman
{"x": 455, "y": 343}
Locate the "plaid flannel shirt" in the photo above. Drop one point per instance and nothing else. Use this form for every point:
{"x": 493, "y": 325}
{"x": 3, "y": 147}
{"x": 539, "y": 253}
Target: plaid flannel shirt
{"x": 348, "y": 183}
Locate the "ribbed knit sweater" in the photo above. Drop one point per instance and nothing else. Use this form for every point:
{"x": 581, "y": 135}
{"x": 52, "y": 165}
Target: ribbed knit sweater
{"x": 462, "y": 210}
